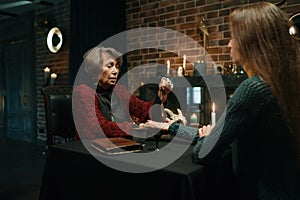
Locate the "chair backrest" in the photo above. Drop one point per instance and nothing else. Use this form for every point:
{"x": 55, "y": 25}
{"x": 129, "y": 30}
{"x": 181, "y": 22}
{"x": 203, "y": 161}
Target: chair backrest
{"x": 58, "y": 109}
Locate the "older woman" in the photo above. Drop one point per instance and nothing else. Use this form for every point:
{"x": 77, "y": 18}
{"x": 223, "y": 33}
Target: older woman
{"x": 92, "y": 103}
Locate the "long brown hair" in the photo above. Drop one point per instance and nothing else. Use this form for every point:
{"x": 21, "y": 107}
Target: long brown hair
{"x": 261, "y": 31}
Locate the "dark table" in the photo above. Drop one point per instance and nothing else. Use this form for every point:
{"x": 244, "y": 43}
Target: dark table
{"x": 71, "y": 172}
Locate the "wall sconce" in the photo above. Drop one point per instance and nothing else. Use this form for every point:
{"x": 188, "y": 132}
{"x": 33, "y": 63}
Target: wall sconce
{"x": 54, "y": 39}
{"x": 295, "y": 28}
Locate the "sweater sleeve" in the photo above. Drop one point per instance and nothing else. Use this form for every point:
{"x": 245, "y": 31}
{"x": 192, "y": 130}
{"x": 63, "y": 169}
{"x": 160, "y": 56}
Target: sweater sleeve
{"x": 84, "y": 112}
{"x": 90, "y": 122}
{"x": 137, "y": 108}
{"x": 239, "y": 116}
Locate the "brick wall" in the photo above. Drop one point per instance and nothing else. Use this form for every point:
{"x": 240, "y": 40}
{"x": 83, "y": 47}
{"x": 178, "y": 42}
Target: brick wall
{"x": 56, "y": 15}
{"x": 184, "y": 16}
{"x": 178, "y": 15}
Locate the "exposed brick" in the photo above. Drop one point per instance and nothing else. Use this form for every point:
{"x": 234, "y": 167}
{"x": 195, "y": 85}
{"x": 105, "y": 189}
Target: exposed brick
{"x": 224, "y": 57}
{"x": 186, "y": 12}
{"x": 178, "y": 15}
{"x": 212, "y": 14}
{"x": 57, "y": 63}
{"x": 210, "y": 7}
{"x": 214, "y": 50}
{"x": 224, "y": 12}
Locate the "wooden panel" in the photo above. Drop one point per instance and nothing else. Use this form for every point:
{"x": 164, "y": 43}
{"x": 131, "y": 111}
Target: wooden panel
{"x": 19, "y": 90}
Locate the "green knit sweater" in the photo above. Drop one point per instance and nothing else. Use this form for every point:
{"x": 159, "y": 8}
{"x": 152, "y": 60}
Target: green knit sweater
{"x": 263, "y": 158}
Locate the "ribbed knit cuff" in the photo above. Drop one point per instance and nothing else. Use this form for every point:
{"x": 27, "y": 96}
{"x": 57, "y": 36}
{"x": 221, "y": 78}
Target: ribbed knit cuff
{"x": 173, "y": 128}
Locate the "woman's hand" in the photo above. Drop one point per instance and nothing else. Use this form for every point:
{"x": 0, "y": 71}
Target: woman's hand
{"x": 205, "y": 130}
{"x": 164, "y": 88}
{"x": 159, "y": 125}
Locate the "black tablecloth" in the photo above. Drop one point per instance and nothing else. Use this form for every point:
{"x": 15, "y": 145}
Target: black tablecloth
{"x": 71, "y": 172}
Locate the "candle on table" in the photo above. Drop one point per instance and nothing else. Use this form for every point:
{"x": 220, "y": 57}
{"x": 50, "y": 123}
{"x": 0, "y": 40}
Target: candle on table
{"x": 194, "y": 118}
{"x": 213, "y": 115}
{"x": 53, "y": 76}
{"x": 168, "y": 67}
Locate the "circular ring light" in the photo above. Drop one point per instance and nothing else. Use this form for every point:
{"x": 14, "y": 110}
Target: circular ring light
{"x": 295, "y": 28}
{"x": 54, "y": 39}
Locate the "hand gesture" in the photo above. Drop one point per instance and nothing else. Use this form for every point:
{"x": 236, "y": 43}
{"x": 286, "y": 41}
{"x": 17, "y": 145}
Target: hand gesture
{"x": 205, "y": 130}
{"x": 178, "y": 118}
{"x": 164, "y": 88}
{"x": 159, "y": 125}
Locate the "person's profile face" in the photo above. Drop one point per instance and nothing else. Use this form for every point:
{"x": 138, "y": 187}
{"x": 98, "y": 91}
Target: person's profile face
{"x": 234, "y": 52}
{"x": 110, "y": 71}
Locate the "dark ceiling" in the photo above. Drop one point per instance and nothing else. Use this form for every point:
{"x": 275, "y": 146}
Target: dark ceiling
{"x": 12, "y": 8}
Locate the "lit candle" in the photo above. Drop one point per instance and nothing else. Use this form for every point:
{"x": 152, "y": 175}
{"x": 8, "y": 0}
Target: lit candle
{"x": 53, "y": 76}
{"x": 179, "y": 71}
{"x": 46, "y": 72}
{"x": 168, "y": 67}
{"x": 194, "y": 118}
{"x": 213, "y": 115}
{"x": 184, "y": 61}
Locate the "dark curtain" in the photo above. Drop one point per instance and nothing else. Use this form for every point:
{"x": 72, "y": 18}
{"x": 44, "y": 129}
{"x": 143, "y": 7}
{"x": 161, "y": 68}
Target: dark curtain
{"x": 91, "y": 23}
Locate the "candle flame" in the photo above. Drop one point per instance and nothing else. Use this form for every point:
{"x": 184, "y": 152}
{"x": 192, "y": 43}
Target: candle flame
{"x": 47, "y": 70}
{"x": 53, "y": 75}
{"x": 213, "y": 107}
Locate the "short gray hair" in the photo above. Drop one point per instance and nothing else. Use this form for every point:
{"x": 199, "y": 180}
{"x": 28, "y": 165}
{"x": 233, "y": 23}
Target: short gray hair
{"x": 93, "y": 60}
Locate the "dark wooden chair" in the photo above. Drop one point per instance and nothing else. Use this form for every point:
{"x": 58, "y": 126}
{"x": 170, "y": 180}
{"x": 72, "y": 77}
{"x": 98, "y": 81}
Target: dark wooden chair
{"x": 59, "y": 116}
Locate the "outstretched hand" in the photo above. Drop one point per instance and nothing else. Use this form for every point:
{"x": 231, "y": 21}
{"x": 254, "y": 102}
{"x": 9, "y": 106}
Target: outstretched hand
{"x": 176, "y": 117}
{"x": 159, "y": 125}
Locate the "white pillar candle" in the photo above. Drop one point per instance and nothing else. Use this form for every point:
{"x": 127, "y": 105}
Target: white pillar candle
{"x": 184, "y": 61}
{"x": 53, "y": 76}
{"x": 46, "y": 73}
{"x": 168, "y": 67}
{"x": 213, "y": 115}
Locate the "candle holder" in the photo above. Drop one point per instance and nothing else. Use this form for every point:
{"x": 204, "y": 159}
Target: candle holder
{"x": 52, "y": 82}
{"x": 194, "y": 118}
{"x": 180, "y": 71}
{"x": 46, "y": 77}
